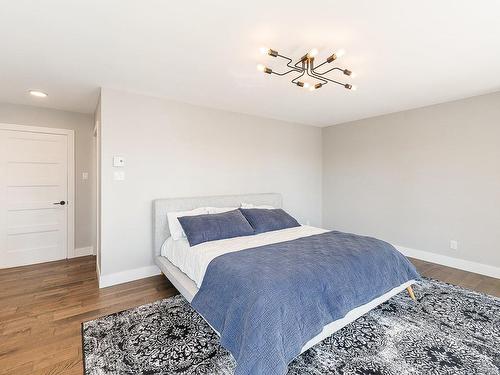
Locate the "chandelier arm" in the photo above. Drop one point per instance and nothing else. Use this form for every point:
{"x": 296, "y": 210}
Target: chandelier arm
{"x": 302, "y": 60}
{"x": 328, "y": 79}
{"x": 298, "y": 62}
{"x": 323, "y": 63}
{"x": 297, "y": 69}
{"x": 293, "y": 80}
{"x": 327, "y": 71}
{"x": 283, "y": 74}
{"x": 331, "y": 80}
{"x": 310, "y": 73}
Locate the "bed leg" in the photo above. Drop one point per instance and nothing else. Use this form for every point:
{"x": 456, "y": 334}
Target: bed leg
{"x": 410, "y": 292}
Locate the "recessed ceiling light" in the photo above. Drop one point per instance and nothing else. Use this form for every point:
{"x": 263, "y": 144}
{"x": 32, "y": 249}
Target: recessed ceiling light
{"x": 38, "y": 94}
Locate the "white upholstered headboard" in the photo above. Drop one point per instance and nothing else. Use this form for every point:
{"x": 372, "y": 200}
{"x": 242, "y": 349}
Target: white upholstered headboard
{"x": 161, "y": 206}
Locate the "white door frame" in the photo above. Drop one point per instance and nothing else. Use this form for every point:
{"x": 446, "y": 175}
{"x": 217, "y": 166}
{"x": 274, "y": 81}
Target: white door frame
{"x": 97, "y": 190}
{"x": 71, "y": 174}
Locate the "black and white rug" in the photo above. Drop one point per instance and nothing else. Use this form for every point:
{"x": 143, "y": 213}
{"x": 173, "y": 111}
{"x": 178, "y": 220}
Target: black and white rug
{"x": 450, "y": 330}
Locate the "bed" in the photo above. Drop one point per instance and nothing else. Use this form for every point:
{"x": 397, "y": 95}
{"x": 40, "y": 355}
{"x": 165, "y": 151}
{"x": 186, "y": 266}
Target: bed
{"x": 186, "y": 268}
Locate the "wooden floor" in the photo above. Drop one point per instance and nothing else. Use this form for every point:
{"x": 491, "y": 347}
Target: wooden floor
{"x": 480, "y": 283}
{"x": 42, "y": 308}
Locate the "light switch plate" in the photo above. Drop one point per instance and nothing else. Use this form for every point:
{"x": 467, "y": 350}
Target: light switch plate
{"x": 118, "y": 161}
{"x": 119, "y": 176}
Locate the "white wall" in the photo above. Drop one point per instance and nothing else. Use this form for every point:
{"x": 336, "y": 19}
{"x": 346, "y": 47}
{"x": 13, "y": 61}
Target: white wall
{"x": 419, "y": 178}
{"x": 175, "y": 150}
{"x": 82, "y": 124}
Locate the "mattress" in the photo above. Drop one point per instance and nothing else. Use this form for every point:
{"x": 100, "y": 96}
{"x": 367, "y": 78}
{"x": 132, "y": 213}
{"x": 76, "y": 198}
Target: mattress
{"x": 193, "y": 261}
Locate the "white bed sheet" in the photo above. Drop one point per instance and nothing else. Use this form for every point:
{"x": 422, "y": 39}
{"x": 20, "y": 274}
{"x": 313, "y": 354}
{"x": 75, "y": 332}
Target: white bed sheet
{"x": 193, "y": 261}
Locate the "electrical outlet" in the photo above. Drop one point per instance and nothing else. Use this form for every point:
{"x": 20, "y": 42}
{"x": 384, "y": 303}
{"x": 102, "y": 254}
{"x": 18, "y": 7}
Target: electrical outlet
{"x": 454, "y": 244}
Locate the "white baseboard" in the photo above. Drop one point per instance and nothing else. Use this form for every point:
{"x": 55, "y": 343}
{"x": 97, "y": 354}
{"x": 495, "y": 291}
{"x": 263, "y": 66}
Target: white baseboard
{"x": 126, "y": 276}
{"x": 462, "y": 264}
{"x": 83, "y": 251}
{"x": 466, "y": 265}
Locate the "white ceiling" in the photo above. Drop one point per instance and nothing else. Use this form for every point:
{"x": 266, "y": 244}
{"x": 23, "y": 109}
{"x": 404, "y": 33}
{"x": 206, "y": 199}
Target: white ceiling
{"x": 406, "y": 54}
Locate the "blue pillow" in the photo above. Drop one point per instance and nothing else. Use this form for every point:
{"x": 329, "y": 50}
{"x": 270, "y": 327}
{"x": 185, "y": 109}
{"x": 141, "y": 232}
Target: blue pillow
{"x": 264, "y": 220}
{"x": 212, "y": 227}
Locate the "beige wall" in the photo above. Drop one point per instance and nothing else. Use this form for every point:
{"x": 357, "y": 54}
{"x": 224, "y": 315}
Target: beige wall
{"x": 419, "y": 178}
{"x": 175, "y": 150}
{"x": 82, "y": 124}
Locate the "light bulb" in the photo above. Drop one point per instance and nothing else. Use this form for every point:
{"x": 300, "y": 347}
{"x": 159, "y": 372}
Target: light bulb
{"x": 268, "y": 51}
{"x": 313, "y": 52}
{"x": 306, "y": 85}
{"x": 315, "y": 87}
{"x": 353, "y": 75}
{"x": 340, "y": 52}
{"x": 354, "y": 88}
{"x": 261, "y": 67}
{"x": 38, "y": 94}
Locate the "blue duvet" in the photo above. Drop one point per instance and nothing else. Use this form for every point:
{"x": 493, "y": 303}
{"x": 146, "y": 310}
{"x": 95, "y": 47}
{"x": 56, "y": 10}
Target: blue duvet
{"x": 267, "y": 302}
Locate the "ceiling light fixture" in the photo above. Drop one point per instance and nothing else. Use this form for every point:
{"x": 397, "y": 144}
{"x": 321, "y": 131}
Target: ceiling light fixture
{"x": 305, "y": 66}
{"x": 38, "y": 94}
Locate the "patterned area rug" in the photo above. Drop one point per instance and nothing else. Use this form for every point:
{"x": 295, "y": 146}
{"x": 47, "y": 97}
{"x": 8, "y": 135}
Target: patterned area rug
{"x": 450, "y": 330}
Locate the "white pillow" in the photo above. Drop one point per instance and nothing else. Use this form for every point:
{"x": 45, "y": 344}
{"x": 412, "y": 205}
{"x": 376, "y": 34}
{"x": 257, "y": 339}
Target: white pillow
{"x": 250, "y": 205}
{"x": 219, "y": 210}
{"x": 174, "y": 225}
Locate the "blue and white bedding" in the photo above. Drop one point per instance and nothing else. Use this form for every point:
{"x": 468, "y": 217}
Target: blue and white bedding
{"x": 194, "y": 260}
{"x": 268, "y": 300}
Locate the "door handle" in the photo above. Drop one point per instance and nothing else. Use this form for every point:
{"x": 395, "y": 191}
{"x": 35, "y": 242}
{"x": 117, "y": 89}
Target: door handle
{"x": 62, "y": 203}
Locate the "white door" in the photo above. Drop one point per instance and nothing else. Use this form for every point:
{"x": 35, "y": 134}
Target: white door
{"x": 33, "y": 197}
